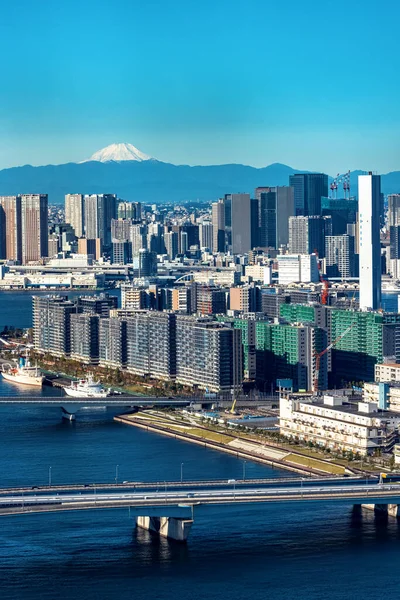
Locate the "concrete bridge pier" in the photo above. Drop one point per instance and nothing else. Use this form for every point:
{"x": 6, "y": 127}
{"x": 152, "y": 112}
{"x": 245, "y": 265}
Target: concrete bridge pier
{"x": 392, "y": 510}
{"x": 68, "y": 411}
{"x": 172, "y": 528}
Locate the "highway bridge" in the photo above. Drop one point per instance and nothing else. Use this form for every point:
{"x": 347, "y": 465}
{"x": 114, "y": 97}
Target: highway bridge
{"x": 70, "y": 406}
{"x": 169, "y": 508}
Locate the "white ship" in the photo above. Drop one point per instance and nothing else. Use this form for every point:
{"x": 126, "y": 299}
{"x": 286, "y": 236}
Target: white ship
{"x": 86, "y": 388}
{"x": 23, "y": 373}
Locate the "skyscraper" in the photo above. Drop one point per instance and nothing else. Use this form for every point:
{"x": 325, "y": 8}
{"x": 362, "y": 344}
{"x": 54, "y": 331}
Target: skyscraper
{"x": 308, "y": 191}
{"x": 75, "y": 213}
{"x": 206, "y": 235}
{"x": 218, "y": 223}
{"x": 240, "y": 223}
{"x": 34, "y": 227}
{"x": 340, "y": 256}
{"x": 100, "y": 209}
{"x": 307, "y": 234}
{"x": 11, "y": 234}
{"x": 369, "y": 198}
{"x": 393, "y": 210}
{"x": 275, "y": 205}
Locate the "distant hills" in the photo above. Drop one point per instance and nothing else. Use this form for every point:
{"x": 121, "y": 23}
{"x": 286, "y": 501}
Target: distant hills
{"x": 143, "y": 179}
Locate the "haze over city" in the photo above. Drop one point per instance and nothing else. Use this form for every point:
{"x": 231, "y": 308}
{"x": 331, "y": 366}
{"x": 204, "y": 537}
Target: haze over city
{"x": 312, "y": 85}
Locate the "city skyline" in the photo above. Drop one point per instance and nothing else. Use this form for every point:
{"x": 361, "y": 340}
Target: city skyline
{"x": 298, "y": 86}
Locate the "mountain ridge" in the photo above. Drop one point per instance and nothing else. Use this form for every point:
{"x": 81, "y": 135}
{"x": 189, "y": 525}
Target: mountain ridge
{"x": 154, "y": 181}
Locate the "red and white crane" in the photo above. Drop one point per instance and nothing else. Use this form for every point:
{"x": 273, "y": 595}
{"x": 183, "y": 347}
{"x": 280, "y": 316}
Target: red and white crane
{"x": 319, "y": 355}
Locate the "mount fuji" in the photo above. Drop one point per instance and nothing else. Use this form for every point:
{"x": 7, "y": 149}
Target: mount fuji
{"x": 118, "y": 153}
{"x": 132, "y": 175}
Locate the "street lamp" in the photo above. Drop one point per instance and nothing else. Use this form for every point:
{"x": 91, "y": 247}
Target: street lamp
{"x": 116, "y": 474}
{"x": 182, "y": 472}
{"x": 49, "y": 476}
{"x": 244, "y": 470}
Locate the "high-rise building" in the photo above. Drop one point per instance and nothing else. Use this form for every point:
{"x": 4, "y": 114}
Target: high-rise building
{"x": 75, "y": 213}
{"x": 206, "y": 235}
{"x": 275, "y": 205}
{"x": 340, "y": 256}
{"x": 245, "y": 298}
{"x": 218, "y": 224}
{"x": 112, "y": 342}
{"x": 210, "y": 300}
{"x": 171, "y": 244}
{"x": 309, "y": 188}
{"x": 151, "y": 344}
{"x": 90, "y": 246}
{"x": 85, "y": 338}
{"x": 369, "y": 199}
{"x": 121, "y": 229}
{"x": 289, "y": 352}
{"x": 34, "y": 227}
{"x": 52, "y": 324}
{"x": 307, "y": 234}
{"x": 393, "y": 216}
{"x": 343, "y": 212}
{"x": 100, "y": 209}
{"x": 374, "y": 338}
{"x": 129, "y": 210}
{"x": 241, "y": 222}
{"x": 394, "y": 242}
{"x": 97, "y": 305}
{"x": 208, "y": 354}
{"x": 138, "y": 237}
{"x": 145, "y": 263}
{"x": 11, "y": 237}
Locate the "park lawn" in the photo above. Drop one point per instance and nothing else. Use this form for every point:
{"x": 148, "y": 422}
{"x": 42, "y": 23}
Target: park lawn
{"x": 314, "y": 463}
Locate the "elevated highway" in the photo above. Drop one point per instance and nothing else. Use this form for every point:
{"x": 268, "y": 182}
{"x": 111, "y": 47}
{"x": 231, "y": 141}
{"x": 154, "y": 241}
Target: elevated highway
{"x": 170, "y": 512}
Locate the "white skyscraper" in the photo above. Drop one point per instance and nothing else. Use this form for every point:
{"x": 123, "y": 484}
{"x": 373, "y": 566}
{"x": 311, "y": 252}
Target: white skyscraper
{"x": 369, "y": 192}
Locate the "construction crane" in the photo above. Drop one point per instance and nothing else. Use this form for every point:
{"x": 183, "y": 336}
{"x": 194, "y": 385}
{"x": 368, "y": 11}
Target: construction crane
{"x": 340, "y": 179}
{"x": 319, "y": 355}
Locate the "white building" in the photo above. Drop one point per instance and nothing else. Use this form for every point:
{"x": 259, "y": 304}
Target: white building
{"x": 369, "y": 200}
{"x": 332, "y": 424}
{"x": 294, "y": 268}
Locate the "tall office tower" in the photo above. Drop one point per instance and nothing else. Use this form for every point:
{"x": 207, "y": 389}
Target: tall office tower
{"x": 308, "y": 191}
{"x": 144, "y": 263}
{"x": 129, "y": 210}
{"x": 181, "y": 299}
{"x": 340, "y": 256}
{"x": 100, "y": 209}
{"x": 343, "y": 212}
{"x": 307, "y": 234}
{"x": 121, "y": 252}
{"x": 88, "y": 246}
{"x": 34, "y": 227}
{"x": 171, "y": 244}
{"x": 53, "y": 245}
{"x": 75, "y": 213}
{"x": 210, "y": 300}
{"x": 218, "y": 223}
{"x": 52, "y": 324}
{"x": 97, "y": 305}
{"x": 11, "y": 238}
{"x": 394, "y": 242}
{"x": 151, "y": 344}
{"x": 85, "y": 338}
{"x": 206, "y": 235}
{"x": 184, "y": 242}
{"x": 138, "y": 237}
{"x": 393, "y": 215}
{"x": 275, "y": 206}
{"x": 155, "y": 240}
{"x": 120, "y": 229}
{"x": 208, "y": 354}
{"x": 240, "y": 219}
{"x": 192, "y": 232}
{"x": 112, "y": 343}
{"x": 369, "y": 197}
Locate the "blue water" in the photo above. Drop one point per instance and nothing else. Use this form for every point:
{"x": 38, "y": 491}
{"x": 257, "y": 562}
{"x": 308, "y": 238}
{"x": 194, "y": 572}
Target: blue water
{"x": 16, "y": 307}
{"x": 279, "y": 553}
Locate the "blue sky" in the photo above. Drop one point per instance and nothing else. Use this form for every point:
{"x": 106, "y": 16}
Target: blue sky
{"x": 314, "y": 84}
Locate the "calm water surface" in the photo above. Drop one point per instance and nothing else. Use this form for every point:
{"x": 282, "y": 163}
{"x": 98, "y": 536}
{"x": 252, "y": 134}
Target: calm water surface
{"x": 300, "y": 553}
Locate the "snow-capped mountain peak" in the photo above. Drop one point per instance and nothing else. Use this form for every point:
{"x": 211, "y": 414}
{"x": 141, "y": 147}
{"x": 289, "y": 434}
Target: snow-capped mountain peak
{"x": 118, "y": 153}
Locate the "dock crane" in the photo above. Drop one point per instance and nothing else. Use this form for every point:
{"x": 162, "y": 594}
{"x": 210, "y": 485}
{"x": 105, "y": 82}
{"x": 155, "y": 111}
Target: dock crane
{"x": 319, "y": 355}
